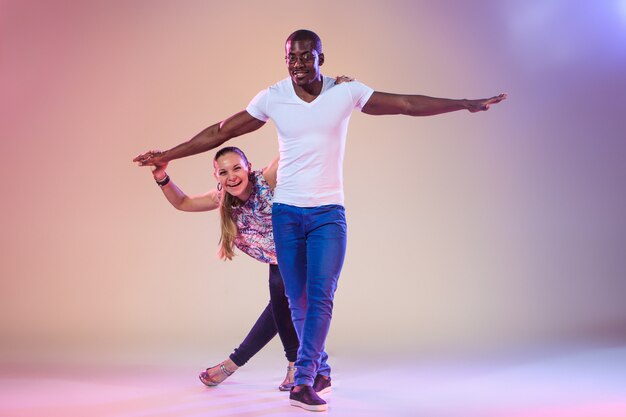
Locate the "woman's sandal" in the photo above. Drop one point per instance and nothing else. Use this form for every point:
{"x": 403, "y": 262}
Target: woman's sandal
{"x": 286, "y": 386}
{"x": 210, "y": 382}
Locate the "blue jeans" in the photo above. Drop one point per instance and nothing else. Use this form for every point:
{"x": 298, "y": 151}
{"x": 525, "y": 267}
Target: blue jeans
{"x": 310, "y": 246}
{"x": 276, "y": 318}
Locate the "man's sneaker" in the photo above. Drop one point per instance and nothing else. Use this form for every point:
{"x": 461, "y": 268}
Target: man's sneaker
{"x": 322, "y": 384}
{"x": 307, "y": 398}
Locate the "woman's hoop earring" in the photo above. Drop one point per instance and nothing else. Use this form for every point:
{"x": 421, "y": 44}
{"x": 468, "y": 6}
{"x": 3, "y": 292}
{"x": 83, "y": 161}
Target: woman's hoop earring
{"x": 219, "y": 186}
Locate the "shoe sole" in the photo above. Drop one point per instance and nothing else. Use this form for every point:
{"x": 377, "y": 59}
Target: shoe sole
{"x": 324, "y": 391}
{"x": 309, "y": 407}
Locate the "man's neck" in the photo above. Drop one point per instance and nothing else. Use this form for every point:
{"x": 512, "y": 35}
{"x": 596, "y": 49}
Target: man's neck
{"x": 310, "y": 91}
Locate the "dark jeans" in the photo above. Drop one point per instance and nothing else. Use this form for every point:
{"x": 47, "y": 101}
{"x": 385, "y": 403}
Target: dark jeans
{"x": 276, "y": 318}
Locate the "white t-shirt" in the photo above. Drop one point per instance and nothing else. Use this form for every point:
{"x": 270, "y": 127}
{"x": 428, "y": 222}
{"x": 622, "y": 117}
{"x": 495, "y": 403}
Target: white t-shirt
{"x": 311, "y": 138}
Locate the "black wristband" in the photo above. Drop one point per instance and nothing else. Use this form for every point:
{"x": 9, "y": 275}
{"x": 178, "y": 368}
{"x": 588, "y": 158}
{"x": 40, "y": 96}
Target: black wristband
{"x": 164, "y": 181}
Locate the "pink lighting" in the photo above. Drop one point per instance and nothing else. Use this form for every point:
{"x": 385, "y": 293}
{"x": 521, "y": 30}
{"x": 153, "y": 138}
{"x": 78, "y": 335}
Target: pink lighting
{"x": 485, "y": 252}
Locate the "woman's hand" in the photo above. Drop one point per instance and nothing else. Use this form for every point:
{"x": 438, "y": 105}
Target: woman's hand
{"x": 158, "y": 169}
{"x": 343, "y": 79}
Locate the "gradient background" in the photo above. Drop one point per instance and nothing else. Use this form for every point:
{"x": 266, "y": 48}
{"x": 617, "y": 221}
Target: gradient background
{"x": 468, "y": 233}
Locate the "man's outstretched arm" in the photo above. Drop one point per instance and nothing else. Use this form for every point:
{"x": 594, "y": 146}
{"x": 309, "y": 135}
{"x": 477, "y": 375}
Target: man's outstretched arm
{"x": 416, "y": 105}
{"x": 211, "y": 137}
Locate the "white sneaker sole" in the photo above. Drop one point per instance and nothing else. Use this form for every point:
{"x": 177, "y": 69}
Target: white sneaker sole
{"x": 325, "y": 391}
{"x": 309, "y": 407}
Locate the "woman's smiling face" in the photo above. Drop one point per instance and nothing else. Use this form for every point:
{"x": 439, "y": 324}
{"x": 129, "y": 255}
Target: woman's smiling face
{"x": 232, "y": 172}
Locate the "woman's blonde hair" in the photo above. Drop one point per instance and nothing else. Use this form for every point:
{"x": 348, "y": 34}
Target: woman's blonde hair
{"x": 229, "y": 230}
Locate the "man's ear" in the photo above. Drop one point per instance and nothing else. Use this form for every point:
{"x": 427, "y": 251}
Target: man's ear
{"x": 321, "y": 59}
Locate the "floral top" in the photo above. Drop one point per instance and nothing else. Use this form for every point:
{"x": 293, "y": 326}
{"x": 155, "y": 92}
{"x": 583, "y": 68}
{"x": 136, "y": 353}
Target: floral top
{"x": 254, "y": 221}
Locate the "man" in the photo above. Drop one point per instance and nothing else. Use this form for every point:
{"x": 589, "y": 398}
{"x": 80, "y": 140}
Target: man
{"x": 311, "y": 114}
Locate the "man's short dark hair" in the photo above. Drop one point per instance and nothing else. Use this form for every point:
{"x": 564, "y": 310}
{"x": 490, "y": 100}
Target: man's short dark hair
{"x": 306, "y": 35}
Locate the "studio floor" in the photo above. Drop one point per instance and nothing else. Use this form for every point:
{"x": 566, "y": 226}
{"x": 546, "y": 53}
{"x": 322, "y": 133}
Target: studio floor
{"x": 580, "y": 383}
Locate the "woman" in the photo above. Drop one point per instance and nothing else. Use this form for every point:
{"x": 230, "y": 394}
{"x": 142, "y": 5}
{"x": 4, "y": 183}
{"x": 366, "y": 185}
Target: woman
{"x": 244, "y": 198}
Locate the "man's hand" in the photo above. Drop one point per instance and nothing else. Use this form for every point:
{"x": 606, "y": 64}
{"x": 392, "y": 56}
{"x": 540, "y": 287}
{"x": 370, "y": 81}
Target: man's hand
{"x": 483, "y": 104}
{"x": 150, "y": 158}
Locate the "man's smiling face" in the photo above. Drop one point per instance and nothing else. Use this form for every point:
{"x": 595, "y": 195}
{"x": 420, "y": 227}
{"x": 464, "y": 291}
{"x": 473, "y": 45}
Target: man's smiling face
{"x": 303, "y": 61}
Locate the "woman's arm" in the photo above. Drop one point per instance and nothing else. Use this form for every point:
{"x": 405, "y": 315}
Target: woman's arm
{"x": 180, "y": 200}
{"x": 269, "y": 172}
